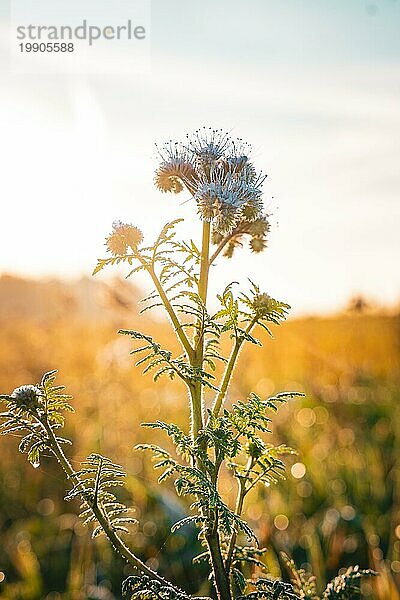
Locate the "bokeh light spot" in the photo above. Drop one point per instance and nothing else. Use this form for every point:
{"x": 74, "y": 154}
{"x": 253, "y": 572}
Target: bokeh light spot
{"x": 149, "y": 528}
{"x": 348, "y": 513}
{"x": 281, "y": 522}
{"x": 298, "y": 470}
{"x": 45, "y": 507}
{"x": 304, "y": 489}
{"x": 395, "y": 566}
{"x": 306, "y": 417}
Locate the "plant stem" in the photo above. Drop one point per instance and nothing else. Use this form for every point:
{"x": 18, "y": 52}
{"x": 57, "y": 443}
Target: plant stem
{"x": 220, "y": 574}
{"x": 198, "y": 355}
{"x": 171, "y": 313}
{"x": 227, "y": 377}
{"x": 221, "y": 577}
{"x": 229, "y": 370}
{"x": 204, "y": 265}
{"x": 232, "y": 541}
{"x": 225, "y": 241}
{"x": 242, "y": 491}
{"x": 114, "y": 538}
{"x": 219, "y": 248}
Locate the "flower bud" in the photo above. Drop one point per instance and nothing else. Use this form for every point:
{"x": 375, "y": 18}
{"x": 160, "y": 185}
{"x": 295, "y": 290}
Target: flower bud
{"x": 123, "y": 236}
{"x": 26, "y": 397}
{"x": 261, "y": 304}
{"x": 257, "y": 244}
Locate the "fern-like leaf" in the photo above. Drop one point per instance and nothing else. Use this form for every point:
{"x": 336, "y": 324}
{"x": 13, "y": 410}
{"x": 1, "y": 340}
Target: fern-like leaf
{"x": 141, "y": 587}
{"x": 304, "y": 583}
{"x": 346, "y": 586}
{"x": 93, "y": 482}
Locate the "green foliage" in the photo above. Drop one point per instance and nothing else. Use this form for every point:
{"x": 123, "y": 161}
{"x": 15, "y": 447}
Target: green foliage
{"x": 346, "y": 586}
{"x": 252, "y": 308}
{"x": 141, "y": 587}
{"x": 262, "y": 308}
{"x": 250, "y": 417}
{"x": 304, "y": 583}
{"x": 242, "y": 556}
{"x": 183, "y": 269}
{"x": 113, "y": 261}
{"x": 36, "y": 412}
{"x": 235, "y": 438}
{"x": 267, "y": 589}
{"x": 161, "y": 361}
{"x": 237, "y": 435}
{"x": 160, "y": 254}
{"x": 192, "y": 481}
{"x": 93, "y": 482}
{"x": 342, "y": 587}
{"x": 33, "y": 412}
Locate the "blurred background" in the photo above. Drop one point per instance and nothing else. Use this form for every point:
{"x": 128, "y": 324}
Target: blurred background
{"x": 315, "y": 87}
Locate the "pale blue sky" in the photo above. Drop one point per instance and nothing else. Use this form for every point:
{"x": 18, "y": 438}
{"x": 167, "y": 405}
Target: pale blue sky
{"x": 314, "y": 86}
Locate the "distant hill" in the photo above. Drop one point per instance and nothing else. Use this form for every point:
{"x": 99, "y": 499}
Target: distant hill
{"x": 53, "y": 298}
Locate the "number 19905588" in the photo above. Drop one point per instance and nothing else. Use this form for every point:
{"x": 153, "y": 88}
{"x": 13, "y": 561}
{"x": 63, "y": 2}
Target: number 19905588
{"x": 46, "y": 47}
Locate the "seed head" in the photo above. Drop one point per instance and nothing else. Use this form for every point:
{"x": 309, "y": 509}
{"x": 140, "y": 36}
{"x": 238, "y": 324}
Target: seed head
{"x": 261, "y": 304}
{"x": 26, "y": 397}
{"x": 260, "y": 227}
{"x": 123, "y": 235}
{"x": 257, "y": 244}
{"x": 216, "y": 237}
{"x": 169, "y": 176}
{"x": 175, "y": 169}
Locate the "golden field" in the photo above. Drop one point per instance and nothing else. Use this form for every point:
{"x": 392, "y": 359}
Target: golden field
{"x": 339, "y": 505}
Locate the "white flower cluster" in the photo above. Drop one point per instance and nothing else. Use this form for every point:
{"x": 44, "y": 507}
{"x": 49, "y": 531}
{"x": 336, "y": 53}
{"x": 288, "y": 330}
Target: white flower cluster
{"x": 217, "y": 171}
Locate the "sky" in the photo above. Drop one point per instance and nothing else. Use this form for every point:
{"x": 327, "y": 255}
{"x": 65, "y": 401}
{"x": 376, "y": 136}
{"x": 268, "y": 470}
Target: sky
{"x": 313, "y": 85}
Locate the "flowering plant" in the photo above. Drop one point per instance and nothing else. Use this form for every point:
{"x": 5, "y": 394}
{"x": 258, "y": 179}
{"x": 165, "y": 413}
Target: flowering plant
{"x": 227, "y": 191}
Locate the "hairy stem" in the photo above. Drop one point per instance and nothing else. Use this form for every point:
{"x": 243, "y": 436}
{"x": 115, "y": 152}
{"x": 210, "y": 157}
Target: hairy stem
{"x": 221, "y": 577}
{"x": 232, "y": 541}
{"x": 236, "y": 232}
{"x": 171, "y": 313}
{"x": 242, "y": 491}
{"x": 204, "y": 265}
{"x": 219, "y": 248}
{"x": 198, "y": 356}
{"x": 220, "y": 574}
{"x": 119, "y": 546}
{"x": 226, "y": 379}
